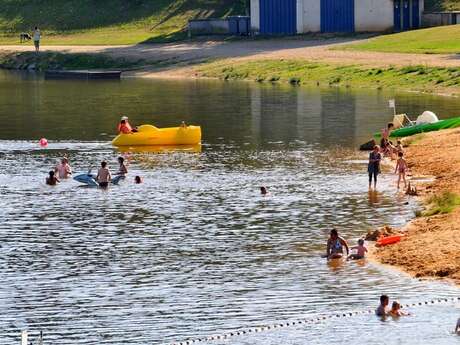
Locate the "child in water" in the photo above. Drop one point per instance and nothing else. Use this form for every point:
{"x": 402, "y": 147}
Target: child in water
{"x": 137, "y": 180}
{"x": 361, "y": 251}
{"x": 52, "y": 180}
{"x": 263, "y": 191}
{"x": 396, "y": 310}
{"x": 401, "y": 168}
{"x": 103, "y": 175}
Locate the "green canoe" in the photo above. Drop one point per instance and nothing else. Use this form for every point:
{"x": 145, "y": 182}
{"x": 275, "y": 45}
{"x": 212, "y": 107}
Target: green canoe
{"x": 429, "y": 127}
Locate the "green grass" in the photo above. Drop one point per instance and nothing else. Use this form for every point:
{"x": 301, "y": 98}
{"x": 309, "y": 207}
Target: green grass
{"x": 296, "y": 72}
{"x": 107, "y": 22}
{"x": 439, "y": 40}
{"x": 442, "y": 203}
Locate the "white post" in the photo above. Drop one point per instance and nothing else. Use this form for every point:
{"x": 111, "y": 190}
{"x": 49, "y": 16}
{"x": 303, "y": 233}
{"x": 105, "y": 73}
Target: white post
{"x": 24, "y": 338}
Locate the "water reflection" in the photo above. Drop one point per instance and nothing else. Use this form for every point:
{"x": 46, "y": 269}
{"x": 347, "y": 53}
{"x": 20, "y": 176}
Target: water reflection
{"x": 194, "y": 250}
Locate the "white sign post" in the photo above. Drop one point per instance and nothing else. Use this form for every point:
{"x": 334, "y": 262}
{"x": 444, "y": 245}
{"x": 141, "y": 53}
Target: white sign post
{"x": 392, "y": 104}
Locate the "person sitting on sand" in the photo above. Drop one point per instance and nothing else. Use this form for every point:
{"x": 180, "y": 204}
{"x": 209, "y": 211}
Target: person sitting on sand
{"x": 335, "y": 245}
{"x": 373, "y": 167}
{"x": 52, "y": 180}
{"x": 401, "y": 169}
{"x": 396, "y": 310}
{"x": 382, "y": 308}
{"x": 63, "y": 169}
{"x": 103, "y": 175}
{"x": 137, "y": 180}
{"x": 361, "y": 251}
{"x": 124, "y": 127}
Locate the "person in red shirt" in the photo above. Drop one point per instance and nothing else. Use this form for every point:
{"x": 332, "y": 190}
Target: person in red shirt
{"x": 124, "y": 126}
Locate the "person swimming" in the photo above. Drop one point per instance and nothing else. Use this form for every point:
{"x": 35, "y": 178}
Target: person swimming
{"x": 137, "y": 180}
{"x": 396, "y": 310}
{"x": 52, "y": 180}
{"x": 263, "y": 191}
{"x": 335, "y": 245}
{"x": 361, "y": 251}
{"x": 382, "y": 309}
{"x": 63, "y": 169}
{"x": 103, "y": 175}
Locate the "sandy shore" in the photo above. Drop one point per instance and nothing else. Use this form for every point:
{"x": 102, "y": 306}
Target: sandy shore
{"x": 431, "y": 247}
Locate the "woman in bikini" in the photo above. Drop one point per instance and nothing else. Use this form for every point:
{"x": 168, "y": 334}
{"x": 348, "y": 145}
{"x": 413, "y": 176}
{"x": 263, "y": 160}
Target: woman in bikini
{"x": 335, "y": 245}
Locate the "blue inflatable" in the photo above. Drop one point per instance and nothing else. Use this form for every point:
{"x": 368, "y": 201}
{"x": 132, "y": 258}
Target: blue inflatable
{"x": 87, "y": 179}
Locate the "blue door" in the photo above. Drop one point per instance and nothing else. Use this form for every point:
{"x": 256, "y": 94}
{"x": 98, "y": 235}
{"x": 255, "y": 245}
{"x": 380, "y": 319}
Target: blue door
{"x": 278, "y": 17}
{"x": 406, "y": 15}
{"x": 397, "y": 15}
{"x": 337, "y": 15}
{"x": 415, "y": 14}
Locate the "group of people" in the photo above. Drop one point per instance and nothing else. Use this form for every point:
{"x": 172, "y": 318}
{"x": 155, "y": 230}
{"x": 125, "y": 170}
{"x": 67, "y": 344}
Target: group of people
{"x": 336, "y": 245}
{"x": 103, "y": 177}
{"x": 395, "y": 310}
{"x": 387, "y": 149}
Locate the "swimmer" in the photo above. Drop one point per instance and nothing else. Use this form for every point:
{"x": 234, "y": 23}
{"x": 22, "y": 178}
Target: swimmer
{"x": 103, "y": 175}
{"x": 263, "y": 191}
{"x": 63, "y": 169}
{"x": 122, "y": 170}
{"x": 137, "y": 180}
{"x": 52, "y": 180}
{"x": 382, "y": 308}
{"x": 335, "y": 245}
{"x": 457, "y": 328}
{"x": 361, "y": 251}
{"x": 396, "y": 310}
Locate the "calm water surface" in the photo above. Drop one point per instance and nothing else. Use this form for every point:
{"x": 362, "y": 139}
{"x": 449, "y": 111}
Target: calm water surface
{"x": 195, "y": 250}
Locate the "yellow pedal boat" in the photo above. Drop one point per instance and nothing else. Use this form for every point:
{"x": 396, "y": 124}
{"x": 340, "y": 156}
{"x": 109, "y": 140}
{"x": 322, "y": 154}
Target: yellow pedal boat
{"x": 149, "y": 135}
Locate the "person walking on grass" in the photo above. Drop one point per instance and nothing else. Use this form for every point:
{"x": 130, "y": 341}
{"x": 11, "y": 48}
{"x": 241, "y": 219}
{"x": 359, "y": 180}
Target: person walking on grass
{"x": 36, "y": 37}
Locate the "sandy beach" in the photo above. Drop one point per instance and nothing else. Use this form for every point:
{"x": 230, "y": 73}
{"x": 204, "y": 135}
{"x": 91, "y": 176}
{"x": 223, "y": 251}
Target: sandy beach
{"x": 431, "y": 248}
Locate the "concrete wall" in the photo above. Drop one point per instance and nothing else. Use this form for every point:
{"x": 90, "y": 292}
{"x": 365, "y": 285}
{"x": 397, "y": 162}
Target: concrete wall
{"x": 441, "y": 18}
{"x": 209, "y": 27}
{"x": 373, "y": 15}
{"x": 255, "y": 16}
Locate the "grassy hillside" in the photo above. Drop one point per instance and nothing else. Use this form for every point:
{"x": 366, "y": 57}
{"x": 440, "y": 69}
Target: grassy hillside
{"x": 439, "y": 40}
{"x": 107, "y": 21}
{"x": 442, "y": 5}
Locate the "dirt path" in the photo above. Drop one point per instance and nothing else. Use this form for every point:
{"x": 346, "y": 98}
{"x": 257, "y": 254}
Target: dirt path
{"x": 190, "y": 53}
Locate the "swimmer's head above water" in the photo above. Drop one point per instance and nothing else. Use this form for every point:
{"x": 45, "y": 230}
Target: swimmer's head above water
{"x": 263, "y": 190}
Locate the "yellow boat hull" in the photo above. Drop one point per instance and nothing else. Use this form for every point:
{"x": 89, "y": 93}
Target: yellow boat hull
{"x": 149, "y": 135}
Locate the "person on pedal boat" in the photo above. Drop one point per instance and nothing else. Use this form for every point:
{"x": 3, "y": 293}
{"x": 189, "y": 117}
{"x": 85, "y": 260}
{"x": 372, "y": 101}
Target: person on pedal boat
{"x": 335, "y": 245}
{"x": 124, "y": 127}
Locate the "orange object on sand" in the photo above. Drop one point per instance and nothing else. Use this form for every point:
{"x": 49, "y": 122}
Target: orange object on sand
{"x": 383, "y": 241}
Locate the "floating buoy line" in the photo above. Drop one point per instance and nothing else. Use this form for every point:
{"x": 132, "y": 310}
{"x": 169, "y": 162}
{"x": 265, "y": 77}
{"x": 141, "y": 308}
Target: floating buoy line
{"x": 236, "y": 333}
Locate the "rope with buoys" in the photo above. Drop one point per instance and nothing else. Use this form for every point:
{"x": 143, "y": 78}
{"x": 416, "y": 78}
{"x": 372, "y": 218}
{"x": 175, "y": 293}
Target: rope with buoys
{"x": 246, "y": 331}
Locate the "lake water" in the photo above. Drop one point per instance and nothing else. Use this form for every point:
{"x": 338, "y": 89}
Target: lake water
{"x": 195, "y": 250}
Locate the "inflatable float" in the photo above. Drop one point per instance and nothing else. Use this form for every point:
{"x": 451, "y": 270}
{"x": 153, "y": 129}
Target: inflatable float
{"x": 384, "y": 241}
{"x": 90, "y": 180}
{"x": 148, "y": 135}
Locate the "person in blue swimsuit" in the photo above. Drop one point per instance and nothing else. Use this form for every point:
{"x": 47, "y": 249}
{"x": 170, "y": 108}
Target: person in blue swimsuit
{"x": 335, "y": 245}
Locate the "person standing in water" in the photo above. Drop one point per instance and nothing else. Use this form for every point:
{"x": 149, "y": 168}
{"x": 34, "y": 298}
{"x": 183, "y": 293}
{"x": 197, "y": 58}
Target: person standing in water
{"x": 63, "y": 169}
{"x": 382, "y": 309}
{"x": 457, "y": 328}
{"x": 373, "y": 167}
{"x": 122, "y": 171}
{"x": 401, "y": 169}
{"x": 52, "y": 180}
{"x": 103, "y": 175}
{"x": 335, "y": 245}
{"x": 37, "y": 37}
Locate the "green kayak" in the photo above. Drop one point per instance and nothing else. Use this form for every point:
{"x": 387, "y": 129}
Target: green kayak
{"x": 429, "y": 127}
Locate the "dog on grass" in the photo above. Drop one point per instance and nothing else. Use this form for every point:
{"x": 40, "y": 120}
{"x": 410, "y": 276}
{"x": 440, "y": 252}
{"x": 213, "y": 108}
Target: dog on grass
{"x": 25, "y": 37}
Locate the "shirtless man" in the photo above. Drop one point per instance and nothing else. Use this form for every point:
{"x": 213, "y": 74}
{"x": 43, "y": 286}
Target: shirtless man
{"x": 103, "y": 175}
{"x": 335, "y": 245}
{"x": 63, "y": 169}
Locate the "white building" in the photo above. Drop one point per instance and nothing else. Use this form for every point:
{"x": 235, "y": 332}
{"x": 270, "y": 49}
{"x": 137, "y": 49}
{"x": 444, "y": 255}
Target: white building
{"x": 271, "y": 17}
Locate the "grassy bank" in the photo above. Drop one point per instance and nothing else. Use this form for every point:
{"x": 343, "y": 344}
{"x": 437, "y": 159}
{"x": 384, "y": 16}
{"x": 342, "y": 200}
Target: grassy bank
{"x": 442, "y": 5}
{"x": 297, "y": 72}
{"x": 439, "y": 40}
{"x": 57, "y": 61}
{"x": 107, "y": 22}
